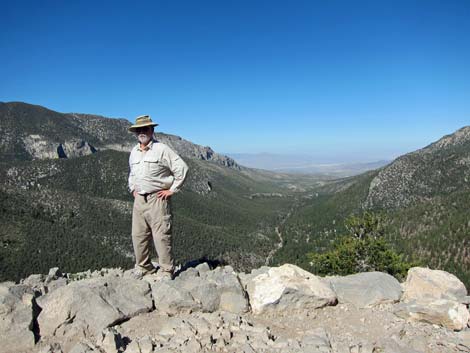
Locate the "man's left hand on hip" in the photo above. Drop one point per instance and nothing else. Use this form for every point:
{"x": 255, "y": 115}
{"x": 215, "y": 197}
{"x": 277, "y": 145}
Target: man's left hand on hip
{"x": 164, "y": 194}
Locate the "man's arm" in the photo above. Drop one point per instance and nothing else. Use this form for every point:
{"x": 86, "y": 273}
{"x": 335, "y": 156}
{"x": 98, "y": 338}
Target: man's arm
{"x": 131, "y": 179}
{"x": 178, "y": 168}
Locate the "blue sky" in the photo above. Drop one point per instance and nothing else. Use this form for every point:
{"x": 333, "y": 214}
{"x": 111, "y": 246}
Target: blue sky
{"x": 345, "y": 80}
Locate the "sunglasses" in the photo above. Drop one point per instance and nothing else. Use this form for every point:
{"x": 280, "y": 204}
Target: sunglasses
{"x": 142, "y": 129}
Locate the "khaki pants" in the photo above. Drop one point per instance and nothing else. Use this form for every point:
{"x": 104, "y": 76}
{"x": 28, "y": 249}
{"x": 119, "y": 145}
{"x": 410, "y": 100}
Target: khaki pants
{"x": 152, "y": 218}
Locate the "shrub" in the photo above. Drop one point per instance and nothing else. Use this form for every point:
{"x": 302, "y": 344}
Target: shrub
{"x": 364, "y": 249}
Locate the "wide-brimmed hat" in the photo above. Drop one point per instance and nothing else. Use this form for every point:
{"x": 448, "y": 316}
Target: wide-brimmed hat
{"x": 142, "y": 121}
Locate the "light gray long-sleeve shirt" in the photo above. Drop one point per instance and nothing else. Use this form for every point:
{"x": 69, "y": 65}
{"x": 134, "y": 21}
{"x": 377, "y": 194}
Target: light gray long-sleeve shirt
{"x": 156, "y": 168}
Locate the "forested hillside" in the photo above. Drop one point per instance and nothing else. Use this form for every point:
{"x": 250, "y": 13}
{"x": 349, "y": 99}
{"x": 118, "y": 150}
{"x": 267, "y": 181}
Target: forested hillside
{"x": 76, "y": 214}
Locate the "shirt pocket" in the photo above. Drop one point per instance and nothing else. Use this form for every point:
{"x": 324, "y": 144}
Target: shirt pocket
{"x": 153, "y": 166}
{"x": 135, "y": 166}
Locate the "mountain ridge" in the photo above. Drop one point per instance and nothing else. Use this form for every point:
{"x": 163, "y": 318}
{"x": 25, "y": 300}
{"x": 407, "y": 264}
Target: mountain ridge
{"x": 439, "y": 168}
{"x": 35, "y": 132}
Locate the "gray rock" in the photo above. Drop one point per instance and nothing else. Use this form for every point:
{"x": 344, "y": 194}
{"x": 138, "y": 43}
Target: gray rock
{"x": 111, "y": 340}
{"x": 232, "y": 296}
{"x": 92, "y": 305}
{"x": 82, "y": 347}
{"x": 133, "y": 347}
{"x": 54, "y": 272}
{"x": 189, "y": 273}
{"x": 448, "y": 313}
{"x": 171, "y": 298}
{"x": 207, "y": 295}
{"x": 36, "y": 282}
{"x": 214, "y": 290}
{"x": 146, "y": 345}
{"x": 204, "y": 267}
{"x": 245, "y": 278}
{"x": 464, "y": 340}
{"x": 16, "y": 318}
{"x": 75, "y": 148}
{"x": 191, "y": 345}
{"x": 316, "y": 341}
{"x": 366, "y": 289}
{"x": 55, "y": 284}
{"x": 51, "y": 348}
{"x": 188, "y": 149}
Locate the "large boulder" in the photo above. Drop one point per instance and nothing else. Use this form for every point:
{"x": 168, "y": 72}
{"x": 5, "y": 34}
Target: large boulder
{"x": 424, "y": 283}
{"x": 447, "y": 313}
{"x": 288, "y": 288}
{"x": 91, "y": 305}
{"x": 16, "y": 318}
{"x": 366, "y": 289}
{"x": 434, "y": 296}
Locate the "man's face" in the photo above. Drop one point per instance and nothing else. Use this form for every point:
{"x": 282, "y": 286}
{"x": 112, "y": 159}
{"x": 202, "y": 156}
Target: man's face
{"x": 144, "y": 134}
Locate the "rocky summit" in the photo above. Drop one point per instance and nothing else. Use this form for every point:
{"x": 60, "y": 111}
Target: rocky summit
{"x": 203, "y": 309}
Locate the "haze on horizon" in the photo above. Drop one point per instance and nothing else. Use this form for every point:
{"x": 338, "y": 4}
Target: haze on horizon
{"x": 335, "y": 81}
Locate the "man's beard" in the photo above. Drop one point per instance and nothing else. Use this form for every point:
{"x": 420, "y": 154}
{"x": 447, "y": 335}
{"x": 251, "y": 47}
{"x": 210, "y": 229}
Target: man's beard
{"x": 143, "y": 139}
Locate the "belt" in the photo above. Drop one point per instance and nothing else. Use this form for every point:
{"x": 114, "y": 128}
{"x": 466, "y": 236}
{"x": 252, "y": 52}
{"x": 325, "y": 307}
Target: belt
{"x": 147, "y": 195}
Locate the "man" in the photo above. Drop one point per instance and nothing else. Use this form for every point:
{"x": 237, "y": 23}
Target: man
{"x": 156, "y": 173}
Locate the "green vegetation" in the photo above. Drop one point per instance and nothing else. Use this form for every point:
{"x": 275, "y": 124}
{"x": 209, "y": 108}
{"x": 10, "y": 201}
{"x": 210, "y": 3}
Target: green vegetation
{"x": 34, "y": 237}
{"x": 436, "y": 231}
{"x": 364, "y": 249}
{"x": 318, "y": 221}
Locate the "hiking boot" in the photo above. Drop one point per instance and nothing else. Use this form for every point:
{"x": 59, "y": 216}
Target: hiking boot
{"x": 139, "y": 273}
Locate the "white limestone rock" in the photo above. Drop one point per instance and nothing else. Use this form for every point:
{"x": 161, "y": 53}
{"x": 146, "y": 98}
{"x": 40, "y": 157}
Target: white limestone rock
{"x": 288, "y": 288}
{"x": 424, "y": 283}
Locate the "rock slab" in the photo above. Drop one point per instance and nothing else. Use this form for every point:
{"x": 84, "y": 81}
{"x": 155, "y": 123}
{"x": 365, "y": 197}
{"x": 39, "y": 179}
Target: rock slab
{"x": 447, "y": 313}
{"x": 366, "y": 289}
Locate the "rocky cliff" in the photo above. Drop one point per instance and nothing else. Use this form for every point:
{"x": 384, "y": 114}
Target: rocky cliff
{"x": 30, "y": 132}
{"x": 271, "y": 309}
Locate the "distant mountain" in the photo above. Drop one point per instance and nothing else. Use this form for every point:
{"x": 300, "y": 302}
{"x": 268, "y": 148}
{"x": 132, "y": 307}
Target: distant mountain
{"x": 303, "y": 164}
{"x": 29, "y": 132}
